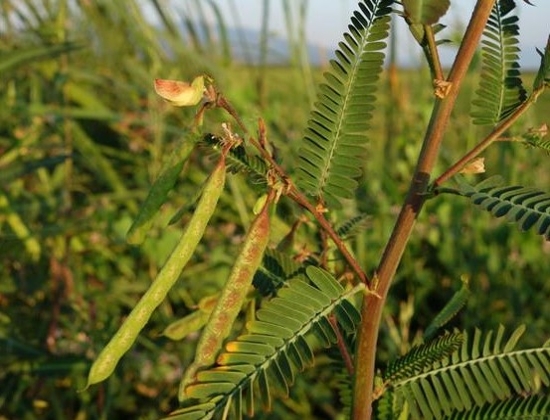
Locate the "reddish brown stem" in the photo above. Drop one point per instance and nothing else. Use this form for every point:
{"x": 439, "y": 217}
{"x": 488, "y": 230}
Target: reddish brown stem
{"x": 294, "y": 193}
{"x": 346, "y": 356}
{"x": 372, "y": 306}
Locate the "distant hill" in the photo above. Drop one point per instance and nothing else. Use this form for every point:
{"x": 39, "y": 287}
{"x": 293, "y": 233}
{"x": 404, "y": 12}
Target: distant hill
{"x": 245, "y": 45}
{"x": 245, "y": 48}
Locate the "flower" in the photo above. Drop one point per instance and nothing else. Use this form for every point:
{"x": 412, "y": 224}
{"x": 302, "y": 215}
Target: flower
{"x": 476, "y": 166}
{"x": 181, "y": 93}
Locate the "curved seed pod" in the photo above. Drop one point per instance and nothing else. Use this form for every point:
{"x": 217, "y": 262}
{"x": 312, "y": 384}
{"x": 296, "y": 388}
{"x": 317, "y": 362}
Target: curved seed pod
{"x": 123, "y": 339}
{"x": 232, "y": 296}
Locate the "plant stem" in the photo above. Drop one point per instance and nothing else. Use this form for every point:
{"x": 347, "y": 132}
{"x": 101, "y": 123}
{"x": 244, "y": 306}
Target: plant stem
{"x": 490, "y": 139}
{"x": 294, "y": 193}
{"x": 434, "y": 53}
{"x": 300, "y": 198}
{"x": 372, "y": 305}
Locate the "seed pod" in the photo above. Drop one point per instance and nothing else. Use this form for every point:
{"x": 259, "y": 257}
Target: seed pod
{"x": 123, "y": 339}
{"x": 232, "y": 297}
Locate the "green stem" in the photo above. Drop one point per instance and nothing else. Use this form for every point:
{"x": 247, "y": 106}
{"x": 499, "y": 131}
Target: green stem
{"x": 433, "y": 53}
{"x": 372, "y": 305}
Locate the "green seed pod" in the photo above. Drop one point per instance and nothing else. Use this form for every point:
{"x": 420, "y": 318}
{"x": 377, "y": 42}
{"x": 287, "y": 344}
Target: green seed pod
{"x": 232, "y": 297}
{"x": 123, "y": 339}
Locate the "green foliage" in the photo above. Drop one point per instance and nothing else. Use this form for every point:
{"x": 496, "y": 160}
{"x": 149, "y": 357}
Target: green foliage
{"x": 16, "y": 170}
{"x": 239, "y": 160}
{"x": 425, "y": 12}
{"x": 500, "y": 87}
{"x": 12, "y": 59}
{"x": 539, "y": 144}
{"x": 543, "y": 75}
{"x": 535, "y": 138}
{"x": 332, "y": 150}
{"x": 527, "y": 207}
{"x": 274, "y": 347}
{"x": 158, "y": 193}
{"x": 419, "y": 357}
{"x": 352, "y": 226}
{"x": 386, "y": 408}
{"x": 480, "y": 372}
{"x": 87, "y": 150}
{"x": 81, "y": 139}
{"x": 276, "y": 269}
{"x": 525, "y": 408}
{"x": 455, "y": 304}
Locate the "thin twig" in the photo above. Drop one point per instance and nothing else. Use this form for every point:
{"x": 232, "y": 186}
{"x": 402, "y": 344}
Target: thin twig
{"x": 344, "y": 351}
{"x": 490, "y": 139}
{"x": 295, "y": 194}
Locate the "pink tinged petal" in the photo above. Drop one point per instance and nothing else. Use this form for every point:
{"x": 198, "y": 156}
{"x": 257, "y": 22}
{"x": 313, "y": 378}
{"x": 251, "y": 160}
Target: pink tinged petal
{"x": 180, "y": 93}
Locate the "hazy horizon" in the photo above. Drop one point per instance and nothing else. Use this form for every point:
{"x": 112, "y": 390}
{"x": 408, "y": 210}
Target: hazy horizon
{"x": 326, "y": 21}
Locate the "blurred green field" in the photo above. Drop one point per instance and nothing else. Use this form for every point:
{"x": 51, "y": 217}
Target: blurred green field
{"x": 82, "y": 138}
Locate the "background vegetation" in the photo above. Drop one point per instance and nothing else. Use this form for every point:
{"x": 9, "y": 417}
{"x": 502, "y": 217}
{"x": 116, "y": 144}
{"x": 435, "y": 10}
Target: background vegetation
{"x": 83, "y": 136}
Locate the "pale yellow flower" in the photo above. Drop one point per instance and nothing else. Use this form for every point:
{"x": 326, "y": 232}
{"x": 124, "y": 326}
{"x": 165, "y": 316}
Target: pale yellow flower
{"x": 476, "y": 166}
{"x": 181, "y": 93}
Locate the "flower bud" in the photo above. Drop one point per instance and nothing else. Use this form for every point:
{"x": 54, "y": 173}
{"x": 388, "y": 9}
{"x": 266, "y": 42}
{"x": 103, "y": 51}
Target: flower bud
{"x": 476, "y": 166}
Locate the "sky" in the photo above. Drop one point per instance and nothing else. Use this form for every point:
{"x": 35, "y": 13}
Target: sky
{"x": 327, "y": 20}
